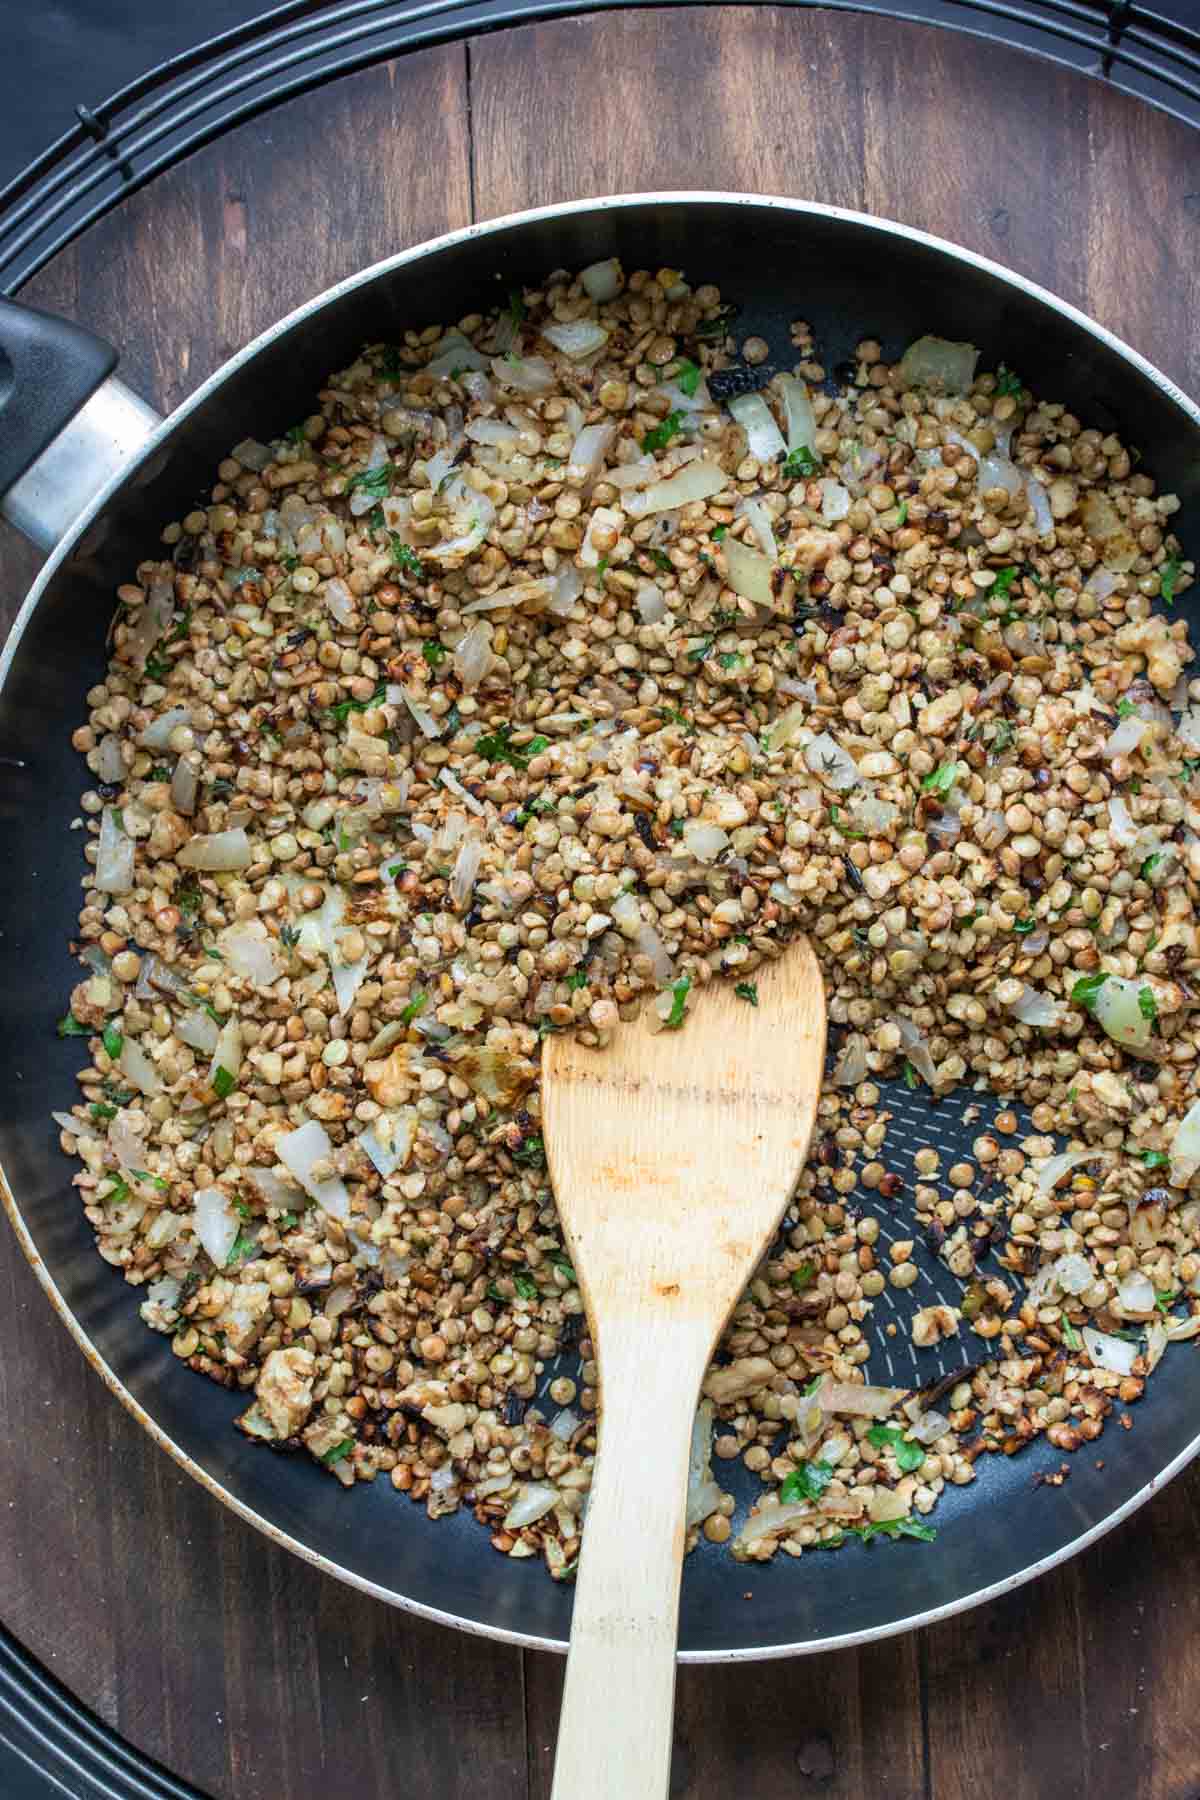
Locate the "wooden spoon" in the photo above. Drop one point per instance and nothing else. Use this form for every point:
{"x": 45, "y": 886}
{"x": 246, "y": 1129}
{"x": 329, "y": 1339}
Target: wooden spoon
{"x": 673, "y": 1156}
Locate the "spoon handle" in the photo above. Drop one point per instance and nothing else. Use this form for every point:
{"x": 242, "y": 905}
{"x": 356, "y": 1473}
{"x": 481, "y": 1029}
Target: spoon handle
{"x": 615, "y": 1728}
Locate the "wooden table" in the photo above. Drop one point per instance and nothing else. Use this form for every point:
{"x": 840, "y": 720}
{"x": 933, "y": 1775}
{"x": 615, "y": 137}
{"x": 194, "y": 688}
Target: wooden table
{"x": 239, "y": 1667}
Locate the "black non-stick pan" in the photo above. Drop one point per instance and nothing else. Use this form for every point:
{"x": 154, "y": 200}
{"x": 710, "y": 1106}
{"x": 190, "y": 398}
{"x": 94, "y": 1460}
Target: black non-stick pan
{"x": 100, "y": 482}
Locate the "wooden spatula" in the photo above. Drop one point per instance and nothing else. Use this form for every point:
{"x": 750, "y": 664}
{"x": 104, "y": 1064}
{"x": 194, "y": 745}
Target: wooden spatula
{"x": 672, "y": 1157}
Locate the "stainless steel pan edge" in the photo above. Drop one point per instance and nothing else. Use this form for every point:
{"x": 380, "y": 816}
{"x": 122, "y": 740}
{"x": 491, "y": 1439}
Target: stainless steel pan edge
{"x": 512, "y": 1603}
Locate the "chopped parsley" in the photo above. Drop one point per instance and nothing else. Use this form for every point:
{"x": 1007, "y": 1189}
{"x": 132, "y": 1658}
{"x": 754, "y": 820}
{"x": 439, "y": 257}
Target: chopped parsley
{"x": 526, "y": 1287}
{"x": 729, "y": 659}
{"x": 516, "y": 308}
{"x": 1023, "y": 927}
{"x": 1164, "y": 1299}
{"x": 404, "y": 556}
{"x": 835, "y": 819}
{"x": 902, "y": 514}
{"x": 497, "y": 747}
{"x": 112, "y": 1040}
{"x": 157, "y": 667}
{"x": 223, "y": 1083}
{"x": 1086, "y": 989}
{"x": 804, "y": 1276}
{"x": 718, "y": 533}
{"x": 1125, "y": 708}
{"x": 434, "y": 653}
{"x": 288, "y": 1222}
{"x": 910, "y": 1074}
{"x": 1007, "y": 382}
{"x": 1004, "y": 580}
{"x": 702, "y": 651}
{"x": 1071, "y": 1337}
{"x": 1002, "y": 738}
{"x": 338, "y": 1453}
{"x": 1171, "y": 572}
{"x": 1147, "y": 1004}
{"x": 376, "y": 482}
{"x": 159, "y": 773}
{"x": 941, "y": 780}
{"x": 747, "y": 990}
{"x": 396, "y": 868}
{"x": 687, "y": 374}
{"x": 73, "y": 1027}
{"x": 808, "y": 1482}
{"x": 799, "y": 463}
{"x": 676, "y": 827}
{"x": 1151, "y": 863}
{"x": 565, "y": 1268}
{"x": 295, "y": 435}
{"x": 289, "y": 936}
{"x": 414, "y": 1009}
{"x": 341, "y": 712}
{"x": 244, "y": 1246}
{"x": 1154, "y": 1159}
{"x": 894, "y": 1528}
{"x": 660, "y": 436}
{"x": 678, "y": 1012}
{"x": 530, "y": 1152}
{"x": 662, "y": 561}
{"x": 99, "y": 1110}
{"x": 908, "y": 1455}
{"x": 577, "y": 980}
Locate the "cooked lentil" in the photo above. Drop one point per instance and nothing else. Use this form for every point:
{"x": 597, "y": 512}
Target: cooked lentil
{"x": 436, "y": 731}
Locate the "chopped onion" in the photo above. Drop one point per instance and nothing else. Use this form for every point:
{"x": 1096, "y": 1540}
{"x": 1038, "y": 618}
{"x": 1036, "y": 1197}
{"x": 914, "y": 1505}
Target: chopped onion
{"x": 651, "y": 603}
{"x": 774, "y": 1521}
{"x": 509, "y": 596}
{"x": 851, "y": 1066}
{"x": 473, "y": 656}
{"x": 835, "y": 501}
{"x": 603, "y": 280}
{"x": 481, "y": 516}
{"x": 915, "y": 1048}
{"x": 938, "y": 363}
{"x": 339, "y": 600}
{"x": 1128, "y": 735}
{"x": 534, "y": 1500}
{"x": 454, "y": 351}
{"x": 215, "y": 1223}
{"x": 110, "y": 764}
{"x": 138, "y": 1068}
{"x": 930, "y": 1427}
{"x": 592, "y": 446}
{"x": 149, "y": 622}
{"x": 1117, "y": 1010}
{"x": 860, "y": 1400}
{"x": 1185, "y": 1146}
{"x": 389, "y": 1139}
{"x": 1039, "y": 503}
{"x": 524, "y": 374}
{"x": 1055, "y": 1167}
{"x": 157, "y": 735}
{"x": 250, "y": 951}
{"x": 1135, "y": 1292}
{"x": 577, "y": 339}
{"x": 228, "y": 1053}
{"x": 749, "y": 572}
{"x": 704, "y": 841}
{"x": 874, "y": 815}
{"x": 703, "y": 1494}
{"x": 1112, "y": 1353}
{"x": 252, "y": 455}
{"x": 798, "y": 414}
{"x": 422, "y": 718}
{"x": 1121, "y": 828}
{"x": 997, "y": 472}
{"x": 760, "y": 525}
{"x": 763, "y": 436}
{"x": 568, "y": 585}
{"x": 449, "y": 780}
{"x": 633, "y": 475}
{"x": 826, "y": 758}
{"x": 695, "y": 481}
{"x": 199, "y": 1031}
{"x": 1034, "y": 1008}
{"x": 114, "y": 855}
{"x": 185, "y": 786}
{"x": 79, "y": 1128}
{"x": 300, "y": 1151}
{"x": 218, "y": 851}
{"x": 465, "y": 872}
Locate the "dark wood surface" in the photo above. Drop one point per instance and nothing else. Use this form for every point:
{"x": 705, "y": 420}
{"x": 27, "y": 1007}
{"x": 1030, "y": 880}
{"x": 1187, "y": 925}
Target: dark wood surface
{"x": 236, "y": 1665}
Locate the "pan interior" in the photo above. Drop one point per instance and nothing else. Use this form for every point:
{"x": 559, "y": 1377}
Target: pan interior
{"x": 848, "y": 279}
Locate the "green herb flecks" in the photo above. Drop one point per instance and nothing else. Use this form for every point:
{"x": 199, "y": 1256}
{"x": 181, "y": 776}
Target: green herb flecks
{"x": 799, "y": 464}
{"x": 1171, "y": 571}
{"x": 497, "y": 746}
{"x": 908, "y": 1455}
{"x": 660, "y": 435}
{"x": 1155, "y": 1159}
{"x": 803, "y": 1276}
{"x": 1086, "y": 989}
{"x": 911, "y": 1078}
{"x": 72, "y": 1027}
{"x": 747, "y": 990}
{"x": 376, "y": 482}
{"x": 1147, "y": 1004}
{"x": 808, "y": 1482}
{"x": 526, "y": 1287}
{"x": 942, "y": 779}
{"x": 1004, "y": 580}
{"x": 1007, "y": 382}
{"x": 836, "y": 820}
{"x": 223, "y": 1083}
{"x": 530, "y": 1152}
{"x": 338, "y": 1453}
{"x": 414, "y": 1009}
{"x": 244, "y": 1246}
{"x": 341, "y": 712}
{"x": 405, "y": 557}
{"x": 678, "y": 1012}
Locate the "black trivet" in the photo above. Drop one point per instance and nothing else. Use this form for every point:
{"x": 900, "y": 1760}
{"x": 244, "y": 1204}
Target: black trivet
{"x": 51, "y": 1746}
{"x": 1152, "y": 51}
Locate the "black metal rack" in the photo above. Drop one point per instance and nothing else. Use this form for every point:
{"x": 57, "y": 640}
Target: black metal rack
{"x": 154, "y": 121}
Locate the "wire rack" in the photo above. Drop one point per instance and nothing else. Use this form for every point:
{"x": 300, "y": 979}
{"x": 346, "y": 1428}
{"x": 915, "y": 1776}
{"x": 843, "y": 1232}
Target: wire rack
{"x": 156, "y": 120}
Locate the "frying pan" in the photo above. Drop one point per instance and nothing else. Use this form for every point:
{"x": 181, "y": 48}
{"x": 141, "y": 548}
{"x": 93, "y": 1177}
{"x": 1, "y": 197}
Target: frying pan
{"x": 92, "y": 474}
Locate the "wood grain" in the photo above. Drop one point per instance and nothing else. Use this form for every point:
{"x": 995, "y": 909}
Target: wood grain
{"x": 672, "y": 1161}
{"x": 238, "y": 1666}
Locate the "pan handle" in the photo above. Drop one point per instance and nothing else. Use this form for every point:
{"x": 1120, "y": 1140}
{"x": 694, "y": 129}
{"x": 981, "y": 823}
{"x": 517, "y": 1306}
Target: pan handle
{"x": 67, "y": 424}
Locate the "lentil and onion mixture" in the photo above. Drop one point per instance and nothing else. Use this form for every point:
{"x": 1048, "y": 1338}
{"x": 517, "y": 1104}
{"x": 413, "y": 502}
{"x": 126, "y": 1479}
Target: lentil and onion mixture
{"x": 564, "y": 661}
